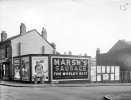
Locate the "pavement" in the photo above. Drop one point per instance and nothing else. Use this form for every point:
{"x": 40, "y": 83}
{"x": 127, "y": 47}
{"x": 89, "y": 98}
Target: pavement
{"x": 46, "y": 85}
{"x": 21, "y": 84}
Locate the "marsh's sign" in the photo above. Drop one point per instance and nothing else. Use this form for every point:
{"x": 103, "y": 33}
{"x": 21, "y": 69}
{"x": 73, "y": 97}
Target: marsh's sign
{"x": 64, "y": 67}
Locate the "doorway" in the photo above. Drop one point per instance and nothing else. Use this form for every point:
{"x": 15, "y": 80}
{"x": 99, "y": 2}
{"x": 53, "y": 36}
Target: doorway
{"x": 4, "y": 69}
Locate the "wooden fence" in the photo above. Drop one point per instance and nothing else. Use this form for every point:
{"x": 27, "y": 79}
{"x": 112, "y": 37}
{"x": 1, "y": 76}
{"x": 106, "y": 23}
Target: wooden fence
{"x": 125, "y": 76}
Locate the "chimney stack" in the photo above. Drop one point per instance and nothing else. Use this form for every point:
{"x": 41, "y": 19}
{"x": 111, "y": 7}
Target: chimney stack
{"x": 44, "y": 33}
{"x": 65, "y": 53}
{"x": 98, "y": 51}
{"x": 22, "y": 29}
{"x": 85, "y": 54}
{"x": 54, "y": 46}
{"x": 3, "y": 36}
{"x": 70, "y": 53}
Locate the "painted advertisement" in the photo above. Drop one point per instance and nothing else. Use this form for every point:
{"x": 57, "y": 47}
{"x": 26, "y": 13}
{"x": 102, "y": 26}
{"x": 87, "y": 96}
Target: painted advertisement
{"x": 40, "y": 67}
{"x": 69, "y": 68}
{"x": 25, "y": 69}
{"x": 16, "y": 69}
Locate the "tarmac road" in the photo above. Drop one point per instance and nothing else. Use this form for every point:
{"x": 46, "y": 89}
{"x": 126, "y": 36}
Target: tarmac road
{"x": 61, "y": 93}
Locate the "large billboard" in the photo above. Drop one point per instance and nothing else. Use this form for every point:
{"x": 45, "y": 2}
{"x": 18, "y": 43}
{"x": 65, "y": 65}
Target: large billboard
{"x": 25, "y": 69}
{"x": 67, "y": 68}
{"x": 16, "y": 69}
{"x": 40, "y": 67}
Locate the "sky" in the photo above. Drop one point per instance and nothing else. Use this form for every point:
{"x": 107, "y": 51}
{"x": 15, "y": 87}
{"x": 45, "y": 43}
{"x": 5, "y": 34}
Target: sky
{"x": 80, "y": 26}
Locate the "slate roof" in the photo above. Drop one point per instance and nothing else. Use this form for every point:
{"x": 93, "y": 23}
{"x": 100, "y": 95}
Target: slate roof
{"x": 121, "y": 44}
{"x": 127, "y": 42}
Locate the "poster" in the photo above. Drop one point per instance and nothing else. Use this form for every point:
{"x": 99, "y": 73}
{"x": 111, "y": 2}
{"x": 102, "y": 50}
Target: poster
{"x": 16, "y": 69}
{"x": 93, "y": 73}
{"x": 105, "y": 76}
{"x": 103, "y": 69}
{"x": 25, "y": 69}
{"x": 112, "y": 69}
{"x": 98, "y": 69}
{"x": 40, "y": 67}
{"x": 107, "y": 69}
{"x": 64, "y": 67}
{"x": 117, "y": 72}
{"x": 98, "y": 77}
{"x": 112, "y": 77}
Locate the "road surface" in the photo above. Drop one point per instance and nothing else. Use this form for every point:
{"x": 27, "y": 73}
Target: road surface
{"x": 60, "y": 93}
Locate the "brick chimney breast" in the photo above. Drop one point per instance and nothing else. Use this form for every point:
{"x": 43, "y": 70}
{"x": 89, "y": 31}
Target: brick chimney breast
{"x": 22, "y": 29}
{"x": 3, "y": 36}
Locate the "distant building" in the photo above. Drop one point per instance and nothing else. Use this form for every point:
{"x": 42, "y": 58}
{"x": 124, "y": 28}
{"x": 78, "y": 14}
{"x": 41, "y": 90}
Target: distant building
{"x": 31, "y": 42}
{"x": 118, "y": 55}
{"x": 93, "y": 61}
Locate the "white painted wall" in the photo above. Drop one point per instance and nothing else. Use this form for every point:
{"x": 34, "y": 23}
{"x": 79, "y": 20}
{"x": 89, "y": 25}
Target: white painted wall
{"x": 31, "y": 43}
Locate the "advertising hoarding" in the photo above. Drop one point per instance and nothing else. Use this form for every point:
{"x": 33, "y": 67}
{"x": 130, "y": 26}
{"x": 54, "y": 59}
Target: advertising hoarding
{"x": 103, "y": 69}
{"x": 98, "y": 77}
{"x": 16, "y": 69}
{"x": 98, "y": 69}
{"x": 117, "y": 72}
{"x": 93, "y": 73}
{"x": 40, "y": 67}
{"x": 64, "y": 68}
{"x": 112, "y": 69}
{"x": 25, "y": 69}
{"x": 105, "y": 76}
{"x": 107, "y": 69}
{"x": 112, "y": 77}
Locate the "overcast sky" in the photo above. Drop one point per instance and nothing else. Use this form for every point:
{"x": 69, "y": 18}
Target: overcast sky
{"x": 80, "y": 26}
